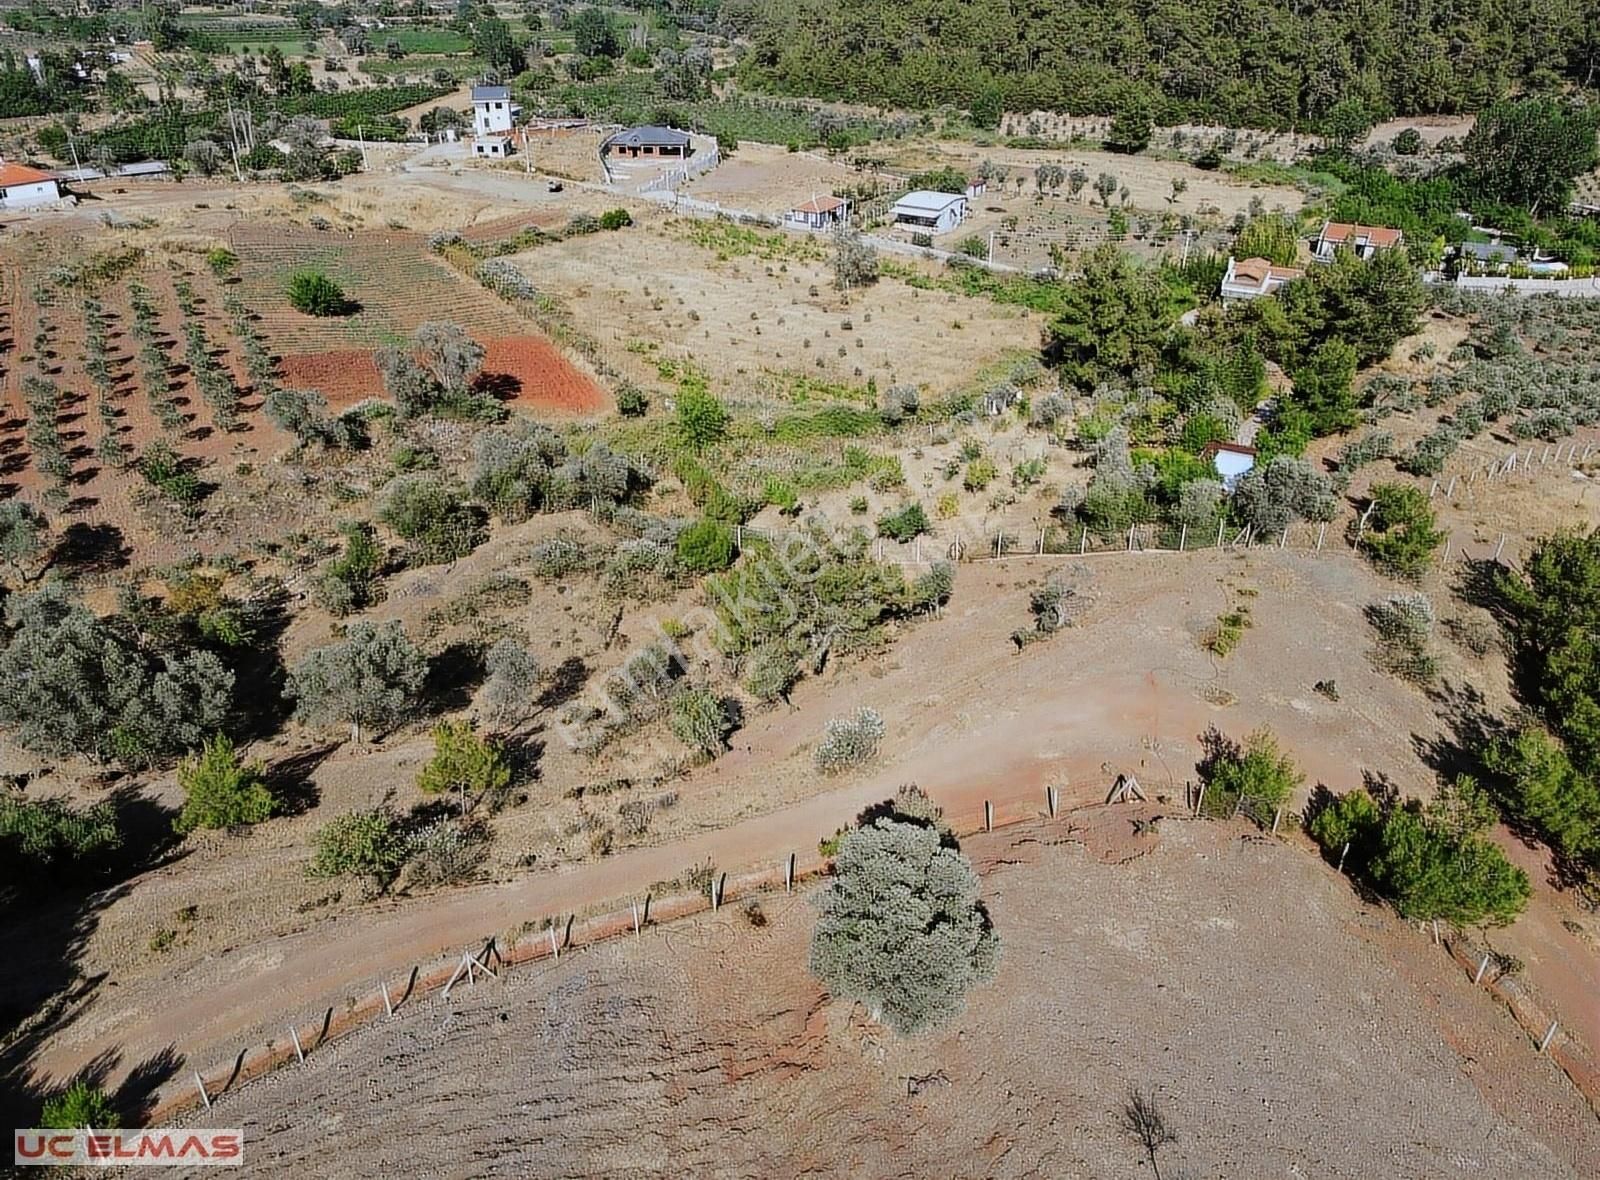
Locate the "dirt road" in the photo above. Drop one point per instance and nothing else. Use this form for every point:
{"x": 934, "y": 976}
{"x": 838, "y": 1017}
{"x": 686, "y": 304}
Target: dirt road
{"x": 970, "y": 720}
{"x": 1236, "y": 981}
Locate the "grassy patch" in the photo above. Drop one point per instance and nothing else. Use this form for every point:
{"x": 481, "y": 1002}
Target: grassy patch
{"x": 728, "y": 240}
{"x": 1227, "y": 631}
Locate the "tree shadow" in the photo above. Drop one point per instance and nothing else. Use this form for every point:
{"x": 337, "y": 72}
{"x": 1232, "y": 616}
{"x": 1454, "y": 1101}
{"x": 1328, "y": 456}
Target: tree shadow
{"x": 47, "y": 914}
{"x": 501, "y": 386}
{"x": 565, "y": 683}
{"x": 290, "y": 779}
{"x": 452, "y": 676}
{"x": 91, "y": 549}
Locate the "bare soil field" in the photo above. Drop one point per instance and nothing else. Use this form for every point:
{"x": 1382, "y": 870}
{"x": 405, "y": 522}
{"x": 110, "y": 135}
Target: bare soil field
{"x": 969, "y": 719}
{"x": 653, "y": 293}
{"x": 1239, "y": 982}
{"x": 765, "y": 178}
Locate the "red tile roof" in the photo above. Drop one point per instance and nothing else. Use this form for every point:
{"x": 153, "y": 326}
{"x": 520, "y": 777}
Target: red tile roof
{"x": 1211, "y": 448}
{"x": 13, "y": 175}
{"x": 1259, "y": 270}
{"x": 820, "y": 205}
{"x": 1380, "y": 236}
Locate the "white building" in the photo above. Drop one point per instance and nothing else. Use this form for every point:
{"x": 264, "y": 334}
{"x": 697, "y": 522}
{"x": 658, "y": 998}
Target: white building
{"x": 819, "y": 213}
{"x": 22, "y": 187}
{"x": 930, "y": 212}
{"x": 1253, "y": 278}
{"x": 493, "y": 112}
{"x": 1231, "y": 461}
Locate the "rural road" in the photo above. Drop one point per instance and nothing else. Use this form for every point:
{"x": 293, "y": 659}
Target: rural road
{"x": 969, "y": 718}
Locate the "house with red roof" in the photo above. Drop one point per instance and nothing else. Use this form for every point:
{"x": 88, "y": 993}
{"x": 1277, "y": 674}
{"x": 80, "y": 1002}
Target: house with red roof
{"x": 22, "y": 187}
{"x": 819, "y": 213}
{"x": 1253, "y": 278}
{"x": 1364, "y": 240}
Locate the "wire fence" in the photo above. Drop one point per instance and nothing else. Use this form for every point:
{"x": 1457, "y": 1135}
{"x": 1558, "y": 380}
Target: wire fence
{"x": 546, "y": 938}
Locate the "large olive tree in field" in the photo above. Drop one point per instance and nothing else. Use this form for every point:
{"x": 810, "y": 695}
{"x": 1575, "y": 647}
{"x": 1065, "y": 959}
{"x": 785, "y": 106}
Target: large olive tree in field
{"x": 74, "y": 683}
{"x": 901, "y": 928}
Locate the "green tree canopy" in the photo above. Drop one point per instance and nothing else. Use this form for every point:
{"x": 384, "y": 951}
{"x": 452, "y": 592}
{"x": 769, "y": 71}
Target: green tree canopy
{"x": 1526, "y": 152}
{"x": 900, "y": 927}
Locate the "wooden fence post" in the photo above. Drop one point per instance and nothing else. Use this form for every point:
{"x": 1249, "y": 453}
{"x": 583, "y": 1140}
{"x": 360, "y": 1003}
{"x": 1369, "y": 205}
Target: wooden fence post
{"x": 1183, "y": 536}
{"x": 1344, "y": 854}
{"x": 1483, "y": 966}
{"x": 298, "y": 1051}
{"x": 1549, "y": 1036}
{"x": 555, "y": 947}
{"x": 201, "y": 1086}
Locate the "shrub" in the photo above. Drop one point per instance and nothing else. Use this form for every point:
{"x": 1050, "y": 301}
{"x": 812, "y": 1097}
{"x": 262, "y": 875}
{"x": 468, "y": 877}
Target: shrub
{"x": 313, "y": 293}
{"x": 513, "y": 674}
{"x": 445, "y": 852}
{"x": 559, "y": 556}
{"x": 222, "y": 261}
{"x": 701, "y": 720}
{"x": 632, "y": 402}
{"x": 1404, "y": 623}
{"x": 900, "y": 927}
{"x": 222, "y": 791}
{"x": 1400, "y": 535}
{"x": 899, "y": 402}
{"x": 79, "y": 1107}
{"x": 368, "y": 678}
{"x": 431, "y": 514}
{"x": 615, "y": 219}
{"x": 367, "y": 844}
{"x": 1431, "y": 861}
{"x": 49, "y": 838}
{"x": 980, "y": 473}
{"x": 904, "y": 525}
{"x": 464, "y": 764}
{"x": 702, "y": 420}
{"x": 349, "y": 581}
{"x": 706, "y": 547}
{"x": 849, "y": 741}
{"x": 771, "y": 674}
{"x": 1256, "y": 778}
{"x": 165, "y": 472}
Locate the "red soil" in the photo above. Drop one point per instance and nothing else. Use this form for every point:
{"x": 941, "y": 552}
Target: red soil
{"x": 343, "y": 377}
{"x": 527, "y": 371}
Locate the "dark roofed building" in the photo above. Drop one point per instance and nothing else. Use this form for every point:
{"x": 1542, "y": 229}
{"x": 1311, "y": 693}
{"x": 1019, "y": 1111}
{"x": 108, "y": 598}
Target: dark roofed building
{"x": 650, "y": 141}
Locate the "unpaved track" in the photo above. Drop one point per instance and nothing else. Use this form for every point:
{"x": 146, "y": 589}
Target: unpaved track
{"x": 969, "y": 720}
{"x": 1238, "y": 980}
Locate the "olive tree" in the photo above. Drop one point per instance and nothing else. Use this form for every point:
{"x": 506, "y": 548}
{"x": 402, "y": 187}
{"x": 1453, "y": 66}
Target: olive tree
{"x": 74, "y": 683}
{"x": 900, "y": 926}
{"x": 1285, "y": 490}
{"x": 22, "y": 533}
{"x": 370, "y": 678}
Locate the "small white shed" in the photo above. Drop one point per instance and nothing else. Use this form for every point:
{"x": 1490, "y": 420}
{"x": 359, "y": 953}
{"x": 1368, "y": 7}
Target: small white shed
{"x": 22, "y": 187}
{"x": 1231, "y": 461}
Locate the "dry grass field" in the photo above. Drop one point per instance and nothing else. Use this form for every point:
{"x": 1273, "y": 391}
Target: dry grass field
{"x": 739, "y": 304}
